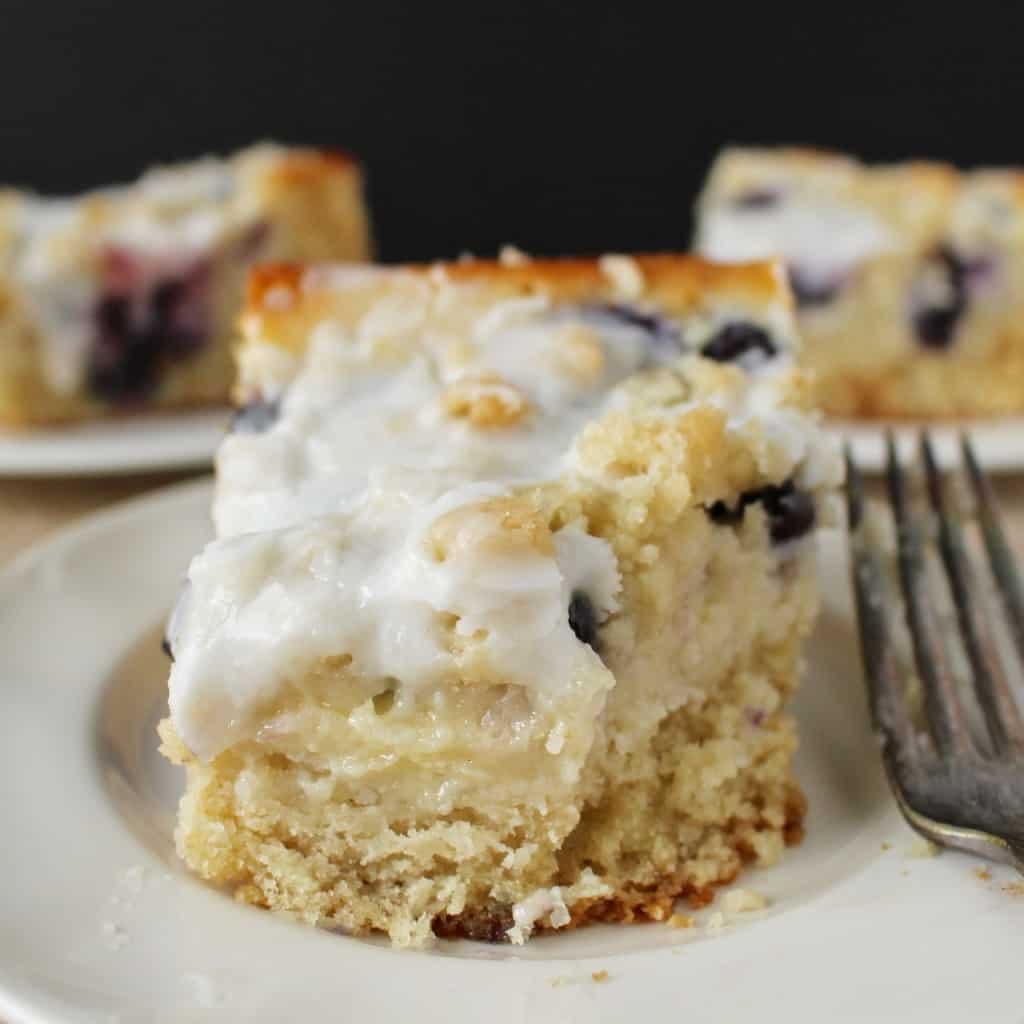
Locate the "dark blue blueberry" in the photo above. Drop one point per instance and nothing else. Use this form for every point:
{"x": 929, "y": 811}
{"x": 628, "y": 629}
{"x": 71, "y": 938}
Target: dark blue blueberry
{"x": 790, "y": 512}
{"x": 724, "y": 515}
{"x": 935, "y": 327}
{"x": 733, "y": 341}
{"x": 172, "y": 332}
{"x": 757, "y": 199}
{"x": 121, "y": 365}
{"x": 582, "y": 619}
{"x": 935, "y": 323}
{"x": 256, "y": 416}
{"x": 662, "y": 331}
{"x": 165, "y": 297}
{"x": 136, "y": 332}
{"x": 809, "y": 292}
{"x": 634, "y": 317}
{"x": 124, "y": 366}
{"x": 113, "y": 313}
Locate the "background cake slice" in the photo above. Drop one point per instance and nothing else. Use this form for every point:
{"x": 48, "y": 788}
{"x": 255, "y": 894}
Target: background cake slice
{"x": 507, "y": 597}
{"x": 909, "y": 277}
{"x": 126, "y": 298}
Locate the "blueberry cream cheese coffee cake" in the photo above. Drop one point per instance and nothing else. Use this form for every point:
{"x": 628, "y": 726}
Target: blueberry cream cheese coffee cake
{"x": 513, "y": 565}
{"x": 126, "y": 298}
{"x": 909, "y": 277}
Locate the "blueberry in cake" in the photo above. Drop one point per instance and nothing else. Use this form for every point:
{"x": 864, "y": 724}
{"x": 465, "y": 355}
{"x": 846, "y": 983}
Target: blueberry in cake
{"x": 127, "y": 297}
{"x": 507, "y": 596}
{"x": 909, "y": 278}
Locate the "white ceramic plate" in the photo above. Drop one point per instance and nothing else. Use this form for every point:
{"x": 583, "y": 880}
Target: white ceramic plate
{"x": 98, "y": 921}
{"x": 999, "y": 443}
{"x": 125, "y": 445}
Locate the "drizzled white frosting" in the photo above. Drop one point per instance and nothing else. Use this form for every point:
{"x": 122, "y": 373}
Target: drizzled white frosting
{"x": 330, "y": 522}
{"x": 353, "y": 420}
{"x": 823, "y": 239}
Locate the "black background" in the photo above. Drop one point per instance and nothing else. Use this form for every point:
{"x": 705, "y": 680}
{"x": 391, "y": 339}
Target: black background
{"x": 561, "y": 127}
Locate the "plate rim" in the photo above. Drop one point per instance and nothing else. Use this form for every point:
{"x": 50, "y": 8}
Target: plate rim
{"x": 169, "y": 440}
{"x": 999, "y": 442}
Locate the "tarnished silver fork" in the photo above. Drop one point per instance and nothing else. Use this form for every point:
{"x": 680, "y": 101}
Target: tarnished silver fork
{"x": 956, "y": 783}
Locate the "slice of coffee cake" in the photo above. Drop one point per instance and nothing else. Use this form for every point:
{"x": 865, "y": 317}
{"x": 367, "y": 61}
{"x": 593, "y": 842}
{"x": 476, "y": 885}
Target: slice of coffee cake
{"x": 126, "y": 298}
{"x": 512, "y": 572}
{"x": 910, "y": 277}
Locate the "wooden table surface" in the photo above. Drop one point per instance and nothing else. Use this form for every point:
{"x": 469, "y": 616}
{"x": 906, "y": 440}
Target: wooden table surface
{"x": 31, "y": 510}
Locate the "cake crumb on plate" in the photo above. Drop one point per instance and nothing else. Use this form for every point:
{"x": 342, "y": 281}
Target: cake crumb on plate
{"x": 680, "y": 921}
{"x": 716, "y": 922}
{"x": 114, "y": 935}
{"x": 743, "y": 901}
{"x": 921, "y": 848}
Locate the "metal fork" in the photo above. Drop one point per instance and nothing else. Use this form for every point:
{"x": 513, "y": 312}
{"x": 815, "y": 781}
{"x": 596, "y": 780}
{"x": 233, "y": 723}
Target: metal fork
{"x": 951, "y": 785}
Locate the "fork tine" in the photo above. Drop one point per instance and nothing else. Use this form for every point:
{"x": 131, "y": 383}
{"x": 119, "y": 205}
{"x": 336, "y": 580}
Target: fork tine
{"x": 991, "y": 687}
{"x": 941, "y": 704}
{"x": 1000, "y": 554}
{"x": 888, "y": 708}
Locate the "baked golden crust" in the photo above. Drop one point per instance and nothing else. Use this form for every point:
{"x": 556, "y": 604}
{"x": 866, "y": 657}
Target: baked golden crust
{"x": 314, "y": 162}
{"x": 677, "y": 280}
{"x": 628, "y": 905}
{"x": 284, "y": 300}
{"x": 316, "y": 195}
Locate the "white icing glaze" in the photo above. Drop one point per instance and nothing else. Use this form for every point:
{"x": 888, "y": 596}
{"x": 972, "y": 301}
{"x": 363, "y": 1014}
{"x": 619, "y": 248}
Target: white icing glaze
{"x": 760, "y": 414}
{"x": 329, "y": 520}
{"x": 352, "y": 419}
{"x": 262, "y": 604}
{"x": 822, "y": 238}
